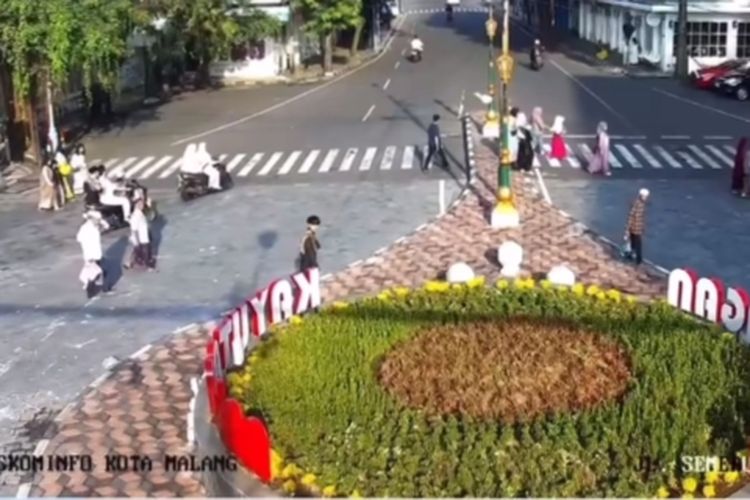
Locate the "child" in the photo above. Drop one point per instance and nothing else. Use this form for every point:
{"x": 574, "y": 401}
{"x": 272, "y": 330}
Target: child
{"x": 559, "y": 150}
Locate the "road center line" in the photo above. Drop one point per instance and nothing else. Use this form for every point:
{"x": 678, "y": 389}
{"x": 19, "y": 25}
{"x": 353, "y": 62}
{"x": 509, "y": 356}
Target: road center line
{"x": 387, "y": 82}
{"x": 297, "y": 97}
{"x": 369, "y": 112}
{"x": 699, "y": 105}
{"x": 398, "y": 63}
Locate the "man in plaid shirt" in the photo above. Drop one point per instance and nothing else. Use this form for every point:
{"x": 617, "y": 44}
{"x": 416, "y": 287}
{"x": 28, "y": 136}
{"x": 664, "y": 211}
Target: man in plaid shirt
{"x": 636, "y": 225}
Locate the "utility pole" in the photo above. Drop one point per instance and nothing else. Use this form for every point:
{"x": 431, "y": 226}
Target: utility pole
{"x": 681, "y": 68}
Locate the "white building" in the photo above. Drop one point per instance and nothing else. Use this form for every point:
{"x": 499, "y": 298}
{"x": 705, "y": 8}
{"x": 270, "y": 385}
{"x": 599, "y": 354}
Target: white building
{"x": 265, "y": 59}
{"x": 717, "y": 30}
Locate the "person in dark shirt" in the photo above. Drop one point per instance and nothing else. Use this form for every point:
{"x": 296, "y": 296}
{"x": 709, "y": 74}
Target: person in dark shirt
{"x": 92, "y": 188}
{"x": 434, "y": 144}
{"x": 308, "y": 257}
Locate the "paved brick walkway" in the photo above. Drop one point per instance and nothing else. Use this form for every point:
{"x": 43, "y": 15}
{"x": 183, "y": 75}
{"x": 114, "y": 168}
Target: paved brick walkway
{"x": 141, "y": 408}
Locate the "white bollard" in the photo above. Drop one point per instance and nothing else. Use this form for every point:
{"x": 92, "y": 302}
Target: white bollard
{"x": 510, "y": 256}
{"x": 441, "y": 196}
{"x": 561, "y": 275}
{"x": 460, "y": 272}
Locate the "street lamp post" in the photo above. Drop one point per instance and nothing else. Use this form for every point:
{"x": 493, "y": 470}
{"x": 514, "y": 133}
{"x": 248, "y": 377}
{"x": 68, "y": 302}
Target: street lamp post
{"x": 505, "y": 215}
{"x": 492, "y": 123}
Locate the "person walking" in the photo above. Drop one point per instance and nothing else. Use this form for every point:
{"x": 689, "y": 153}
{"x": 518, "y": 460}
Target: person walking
{"x": 558, "y": 150}
{"x": 140, "y": 237}
{"x": 90, "y": 238}
{"x": 538, "y": 128}
{"x": 80, "y": 170}
{"x": 739, "y": 172}
{"x": 434, "y": 144}
{"x": 525, "y": 153}
{"x": 308, "y": 255}
{"x": 599, "y": 163}
{"x": 48, "y": 188}
{"x": 636, "y": 225}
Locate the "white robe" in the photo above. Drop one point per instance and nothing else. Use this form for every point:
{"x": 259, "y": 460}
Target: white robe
{"x": 90, "y": 239}
{"x": 80, "y": 173}
{"x": 138, "y": 228}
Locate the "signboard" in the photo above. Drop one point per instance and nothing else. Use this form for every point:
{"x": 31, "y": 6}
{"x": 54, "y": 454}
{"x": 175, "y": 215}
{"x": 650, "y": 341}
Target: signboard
{"x": 709, "y": 299}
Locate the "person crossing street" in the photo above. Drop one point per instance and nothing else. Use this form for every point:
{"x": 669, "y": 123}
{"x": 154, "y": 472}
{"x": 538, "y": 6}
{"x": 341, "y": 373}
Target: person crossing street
{"x": 434, "y": 144}
{"x": 636, "y": 226}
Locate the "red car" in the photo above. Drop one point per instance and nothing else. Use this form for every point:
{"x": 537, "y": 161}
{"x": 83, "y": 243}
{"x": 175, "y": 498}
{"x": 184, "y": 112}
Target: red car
{"x": 704, "y": 78}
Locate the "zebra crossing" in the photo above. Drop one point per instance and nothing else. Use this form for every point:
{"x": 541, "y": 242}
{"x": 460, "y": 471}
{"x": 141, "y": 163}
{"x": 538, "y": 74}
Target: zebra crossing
{"x": 637, "y": 156}
{"x": 392, "y": 159}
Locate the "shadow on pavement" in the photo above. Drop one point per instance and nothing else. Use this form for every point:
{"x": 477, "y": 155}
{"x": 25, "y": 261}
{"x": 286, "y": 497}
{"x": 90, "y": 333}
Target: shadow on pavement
{"x": 114, "y": 258}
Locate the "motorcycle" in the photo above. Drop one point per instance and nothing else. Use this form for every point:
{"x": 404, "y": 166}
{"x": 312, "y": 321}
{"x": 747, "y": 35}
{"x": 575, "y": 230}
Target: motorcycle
{"x": 536, "y": 60}
{"x": 415, "y": 55}
{"x": 449, "y": 12}
{"x": 113, "y": 215}
{"x": 192, "y": 186}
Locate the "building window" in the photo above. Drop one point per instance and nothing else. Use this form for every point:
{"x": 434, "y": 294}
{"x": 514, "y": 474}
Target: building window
{"x": 705, "y": 39}
{"x": 249, "y": 51}
{"x": 743, "y": 40}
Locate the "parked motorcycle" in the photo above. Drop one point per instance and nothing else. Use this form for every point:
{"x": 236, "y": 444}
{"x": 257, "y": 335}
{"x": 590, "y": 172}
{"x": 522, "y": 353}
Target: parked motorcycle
{"x": 192, "y": 186}
{"x": 113, "y": 215}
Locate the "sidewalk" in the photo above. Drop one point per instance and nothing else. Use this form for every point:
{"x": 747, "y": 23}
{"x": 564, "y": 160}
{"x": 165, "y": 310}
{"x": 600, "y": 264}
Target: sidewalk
{"x": 141, "y": 406}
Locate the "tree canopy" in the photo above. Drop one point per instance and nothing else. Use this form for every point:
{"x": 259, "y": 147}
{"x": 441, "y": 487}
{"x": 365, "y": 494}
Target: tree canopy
{"x": 323, "y": 17}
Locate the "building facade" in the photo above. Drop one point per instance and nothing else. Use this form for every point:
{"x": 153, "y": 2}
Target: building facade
{"x": 716, "y": 31}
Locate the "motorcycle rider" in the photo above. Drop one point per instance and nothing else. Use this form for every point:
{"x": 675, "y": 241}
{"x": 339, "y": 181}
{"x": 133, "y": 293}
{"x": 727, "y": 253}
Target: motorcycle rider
{"x": 207, "y": 166}
{"x": 449, "y": 11}
{"x": 113, "y": 194}
{"x": 536, "y": 55}
{"x": 417, "y": 47}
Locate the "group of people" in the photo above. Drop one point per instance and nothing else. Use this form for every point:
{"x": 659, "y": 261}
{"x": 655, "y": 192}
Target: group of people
{"x": 60, "y": 179}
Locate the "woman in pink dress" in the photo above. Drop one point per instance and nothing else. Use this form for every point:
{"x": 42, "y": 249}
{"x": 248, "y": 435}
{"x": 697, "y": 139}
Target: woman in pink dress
{"x": 558, "y": 149}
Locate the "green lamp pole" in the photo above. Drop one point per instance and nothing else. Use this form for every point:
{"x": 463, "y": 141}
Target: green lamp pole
{"x": 491, "y": 124}
{"x": 505, "y": 214}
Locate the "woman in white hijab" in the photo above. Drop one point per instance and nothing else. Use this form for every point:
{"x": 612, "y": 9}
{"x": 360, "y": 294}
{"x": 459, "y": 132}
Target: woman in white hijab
{"x": 189, "y": 164}
{"x": 558, "y": 150}
{"x": 206, "y": 164}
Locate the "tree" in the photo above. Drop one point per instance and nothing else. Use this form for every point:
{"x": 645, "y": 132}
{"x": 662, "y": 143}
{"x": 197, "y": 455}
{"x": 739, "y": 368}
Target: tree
{"x": 324, "y": 17}
{"x": 44, "y": 43}
{"x": 209, "y": 28}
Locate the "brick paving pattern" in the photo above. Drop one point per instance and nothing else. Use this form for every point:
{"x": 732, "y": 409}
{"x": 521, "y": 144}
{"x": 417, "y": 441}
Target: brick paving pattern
{"x": 141, "y": 407}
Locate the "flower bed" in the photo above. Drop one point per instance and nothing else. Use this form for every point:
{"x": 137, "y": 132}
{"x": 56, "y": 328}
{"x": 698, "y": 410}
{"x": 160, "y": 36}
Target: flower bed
{"x": 659, "y": 386}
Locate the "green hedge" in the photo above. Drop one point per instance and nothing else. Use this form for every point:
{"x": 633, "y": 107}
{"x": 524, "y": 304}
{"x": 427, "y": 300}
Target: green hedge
{"x": 315, "y": 382}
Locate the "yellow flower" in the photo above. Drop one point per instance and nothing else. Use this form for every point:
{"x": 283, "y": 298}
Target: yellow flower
{"x": 340, "y": 305}
{"x": 384, "y": 296}
{"x": 308, "y": 479}
{"x": 731, "y": 477}
{"x": 457, "y": 286}
{"x": 630, "y": 299}
{"x": 290, "y": 471}
{"x": 329, "y": 491}
{"x": 501, "y": 284}
{"x": 614, "y": 295}
{"x": 601, "y": 296}
{"x": 253, "y": 358}
{"x": 546, "y": 284}
{"x": 355, "y": 494}
{"x": 592, "y": 290}
{"x": 277, "y": 463}
{"x": 437, "y": 286}
{"x": 295, "y": 320}
{"x": 662, "y": 492}
{"x": 401, "y": 291}
{"x": 477, "y": 282}
{"x": 709, "y": 491}
{"x": 687, "y": 496}
{"x": 578, "y": 289}
{"x": 289, "y": 486}
{"x": 690, "y": 484}
{"x": 529, "y": 283}
{"x": 712, "y": 477}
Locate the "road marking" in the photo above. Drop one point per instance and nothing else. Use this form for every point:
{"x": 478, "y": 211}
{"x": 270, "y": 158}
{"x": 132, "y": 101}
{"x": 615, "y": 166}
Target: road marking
{"x": 403, "y": 52}
{"x": 730, "y": 149}
{"x": 668, "y": 157}
{"x": 270, "y": 163}
{"x": 718, "y": 137}
{"x": 156, "y": 166}
{"x": 675, "y": 137}
{"x": 235, "y": 161}
{"x": 408, "y": 159}
{"x": 629, "y": 158}
{"x": 369, "y": 112}
{"x": 346, "y": 165}
{"x": 613, "y": 160}
{"x": 536, "y": 162}
{"x": 297, "y": 97}
{"x": 388, "y": 157}
{"x": 553, "y": 162}
{"x": 139, "y": 166}
{"x": 425, "y": 152}
{"x": 571, "y": 158}
{"x": 328, "y": 160}
{"x": 308, "y": 163}
{"x": 118, "y": 170}
{"x": 111, "y": 162}
{"x": 648, "y": 156}
{"x": 699, "y": 105}
{"x": 368, "y": 158}
{"x": 387, "y": 82}
{"x": 172, "y": 168}
{"x": 587, "y": 153}
{"x": 689, "y": 160}
{"x": 250, "y": 165}
{"x": 398, "y": 63}
{"x": 287, "y": 166}
{"x": 718, "y": 152}
{"x": 703, "y": 156}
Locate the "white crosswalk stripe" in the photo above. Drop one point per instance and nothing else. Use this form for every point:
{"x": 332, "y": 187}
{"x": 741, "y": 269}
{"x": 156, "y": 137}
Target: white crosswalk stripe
{"x": 250, "y": 165}
{"x": 623, "y": 155}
